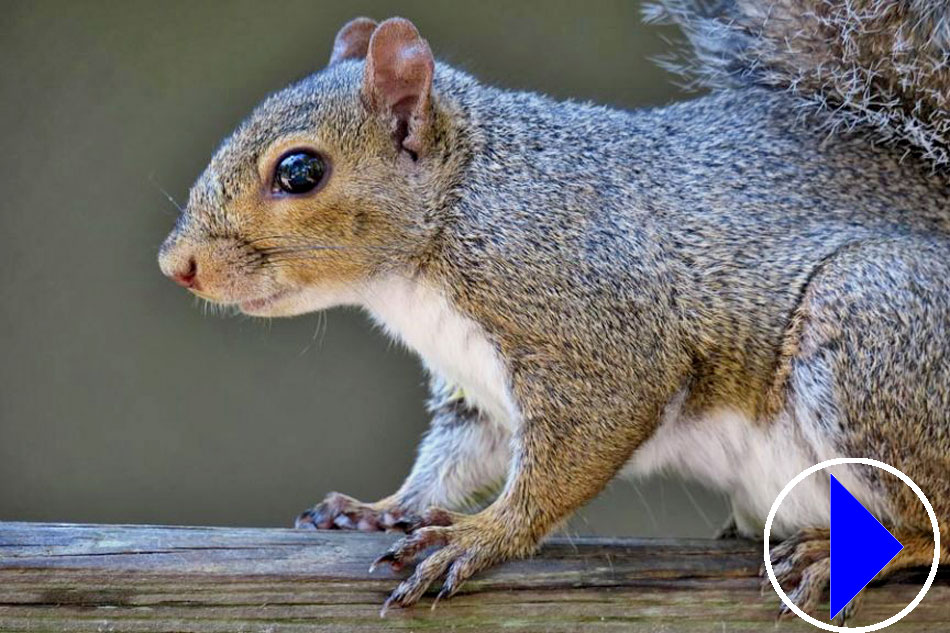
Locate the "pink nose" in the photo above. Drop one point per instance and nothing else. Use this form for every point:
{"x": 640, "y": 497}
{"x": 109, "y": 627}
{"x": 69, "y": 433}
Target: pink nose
{"x": 186, "y": 277}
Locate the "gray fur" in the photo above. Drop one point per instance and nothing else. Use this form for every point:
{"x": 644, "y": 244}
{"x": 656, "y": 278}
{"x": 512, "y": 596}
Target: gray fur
{"x": 462, "y": 459}
{"x": 880, "y": 67}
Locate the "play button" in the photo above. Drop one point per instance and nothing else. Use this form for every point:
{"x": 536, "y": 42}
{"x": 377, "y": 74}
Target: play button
{"x": 860, "y": 547}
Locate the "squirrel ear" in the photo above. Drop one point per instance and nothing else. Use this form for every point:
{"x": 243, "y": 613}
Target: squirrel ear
{"x": 397, "y": 81}
{"x": 352, "y": 41}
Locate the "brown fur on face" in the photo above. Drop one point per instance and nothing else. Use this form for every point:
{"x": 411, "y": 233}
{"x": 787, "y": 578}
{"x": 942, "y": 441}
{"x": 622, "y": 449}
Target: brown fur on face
{"x": 276, "y": 254}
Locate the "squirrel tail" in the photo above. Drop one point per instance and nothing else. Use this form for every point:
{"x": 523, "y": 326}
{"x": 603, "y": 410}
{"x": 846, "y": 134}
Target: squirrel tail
{"x": 875, "y": 66}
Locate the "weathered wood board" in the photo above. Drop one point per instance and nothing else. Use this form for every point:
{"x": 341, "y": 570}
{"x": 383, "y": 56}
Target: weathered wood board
{"x": 66, "y": 578}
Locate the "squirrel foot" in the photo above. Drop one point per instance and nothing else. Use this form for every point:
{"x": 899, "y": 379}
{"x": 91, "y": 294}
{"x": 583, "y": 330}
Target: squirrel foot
{"x": 469, "y": 545}
{"x": 341, "y": 512}
{"x": 802, "y": 566}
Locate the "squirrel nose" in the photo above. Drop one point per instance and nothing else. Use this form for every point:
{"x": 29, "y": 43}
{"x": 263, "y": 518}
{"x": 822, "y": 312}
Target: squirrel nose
{"x": 186, "y": 275}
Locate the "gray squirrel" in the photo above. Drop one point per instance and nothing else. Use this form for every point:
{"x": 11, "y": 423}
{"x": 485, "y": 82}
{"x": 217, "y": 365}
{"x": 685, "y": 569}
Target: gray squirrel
{"x": 733, "y": 288}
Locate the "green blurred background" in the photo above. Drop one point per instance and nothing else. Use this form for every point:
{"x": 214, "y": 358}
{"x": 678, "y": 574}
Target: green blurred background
{"x": 119, "y": 400}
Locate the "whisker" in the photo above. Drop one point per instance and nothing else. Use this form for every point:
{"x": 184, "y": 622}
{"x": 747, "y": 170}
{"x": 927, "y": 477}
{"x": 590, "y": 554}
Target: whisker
{"x": 282, "y": 250}
{"x": 265, "y": 237}
{"x": 288, "y": 256}
{"x": 289, "y": 240}
{"x": 275, "y": 250}
{"x": 275, "y": 265}
{"x": 261, "y": 261}
{"x": 168, "y": 196}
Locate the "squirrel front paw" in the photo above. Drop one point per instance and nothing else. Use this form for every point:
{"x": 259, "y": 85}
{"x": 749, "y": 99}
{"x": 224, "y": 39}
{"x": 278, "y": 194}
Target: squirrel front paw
{"x": 458, "y": 551}
{"x": 341, "y": 512}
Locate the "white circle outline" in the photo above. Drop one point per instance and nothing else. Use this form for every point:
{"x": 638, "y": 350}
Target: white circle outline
{"x": 867, "y": 462}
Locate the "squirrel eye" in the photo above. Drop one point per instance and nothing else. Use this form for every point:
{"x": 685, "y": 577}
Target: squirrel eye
{"x": 299, "y": 172}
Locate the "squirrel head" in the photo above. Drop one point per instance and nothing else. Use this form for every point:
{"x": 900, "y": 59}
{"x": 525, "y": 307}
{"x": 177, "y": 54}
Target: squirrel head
{"x": 328, "y": 183}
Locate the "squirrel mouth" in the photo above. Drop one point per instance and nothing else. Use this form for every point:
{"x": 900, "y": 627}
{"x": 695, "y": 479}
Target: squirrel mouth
{"x": 256, "y": 305}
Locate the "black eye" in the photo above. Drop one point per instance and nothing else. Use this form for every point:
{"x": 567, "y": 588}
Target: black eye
{"x": 299, "y": 172}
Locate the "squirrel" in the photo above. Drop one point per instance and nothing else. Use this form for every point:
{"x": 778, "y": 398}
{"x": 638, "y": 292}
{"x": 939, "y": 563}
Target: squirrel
{"x": 732, "y": 288}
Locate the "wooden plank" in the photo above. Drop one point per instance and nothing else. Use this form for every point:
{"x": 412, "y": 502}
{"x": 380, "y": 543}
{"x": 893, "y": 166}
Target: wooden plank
{"x": 68, "y": 578}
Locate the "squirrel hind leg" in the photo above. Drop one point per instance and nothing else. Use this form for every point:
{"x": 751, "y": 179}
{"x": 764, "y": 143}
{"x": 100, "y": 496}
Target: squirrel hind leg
{"x": 865, "y": 367}
{"x": 865, "y": 362}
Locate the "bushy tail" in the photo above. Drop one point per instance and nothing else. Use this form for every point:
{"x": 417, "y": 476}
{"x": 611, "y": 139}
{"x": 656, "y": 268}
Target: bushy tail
{"x": 876, "y": 66}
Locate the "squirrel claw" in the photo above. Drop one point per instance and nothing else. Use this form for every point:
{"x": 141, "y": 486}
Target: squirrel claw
{"x": 403, "y": 523}
{"x": 385, "y": 607}
{"x": 390, "y": 558}
{"x": 443, "y": 593}
{"x": 784, "y": 613}
{"x": 304, "y": 521}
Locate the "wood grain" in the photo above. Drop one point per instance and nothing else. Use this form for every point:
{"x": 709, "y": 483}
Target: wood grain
{"x": 57, "y": 577}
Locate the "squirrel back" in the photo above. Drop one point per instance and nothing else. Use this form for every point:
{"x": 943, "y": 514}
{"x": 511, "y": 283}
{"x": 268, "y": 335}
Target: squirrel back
{"x": 875, "y": 67}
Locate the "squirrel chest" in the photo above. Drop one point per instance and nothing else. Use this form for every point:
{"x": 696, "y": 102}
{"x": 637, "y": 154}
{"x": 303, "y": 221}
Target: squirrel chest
{"x": 450, "y": 344}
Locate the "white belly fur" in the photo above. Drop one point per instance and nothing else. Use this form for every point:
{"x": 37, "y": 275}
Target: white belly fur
{"x": 751, "y": 463}
{"x": 450, "y": 344}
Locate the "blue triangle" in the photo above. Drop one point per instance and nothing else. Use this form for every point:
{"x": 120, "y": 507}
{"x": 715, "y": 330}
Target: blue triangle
{"x": 860, "y": 547}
